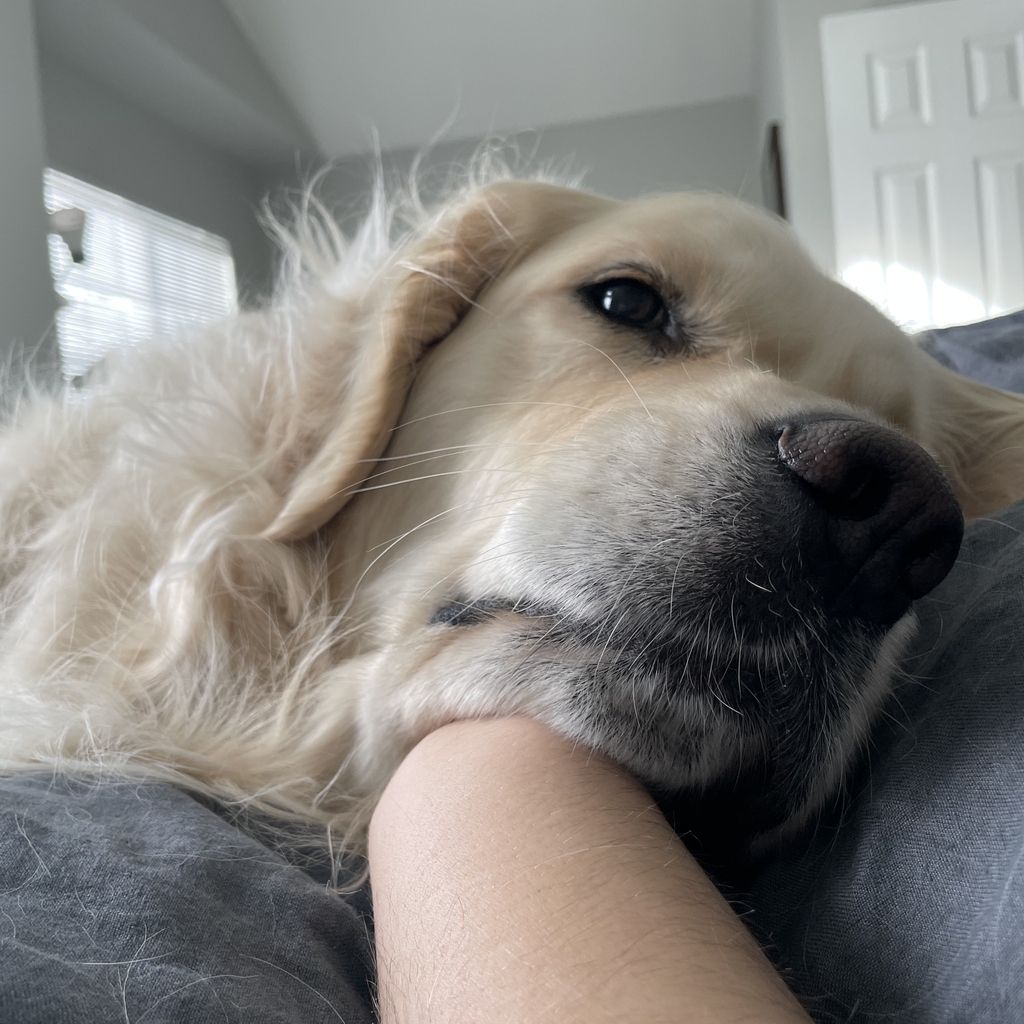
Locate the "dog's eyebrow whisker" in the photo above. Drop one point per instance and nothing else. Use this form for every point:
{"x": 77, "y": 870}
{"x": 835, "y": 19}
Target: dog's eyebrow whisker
{"x": 622, "y": 373}
{"x": 433, "y": 275}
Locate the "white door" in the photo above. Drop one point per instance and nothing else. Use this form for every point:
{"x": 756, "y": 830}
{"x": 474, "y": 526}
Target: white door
{"x": 926, "y": 136}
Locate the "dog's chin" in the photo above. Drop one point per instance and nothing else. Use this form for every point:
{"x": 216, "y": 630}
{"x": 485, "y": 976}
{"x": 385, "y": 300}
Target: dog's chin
{"x": 802, "y": 736}
{"x": 740, "y": 744}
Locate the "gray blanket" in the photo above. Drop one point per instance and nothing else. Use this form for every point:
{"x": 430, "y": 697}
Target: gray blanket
{"x": 140, "y": 904}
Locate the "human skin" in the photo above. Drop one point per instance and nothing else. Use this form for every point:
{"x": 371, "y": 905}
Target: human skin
{"x": 519, "y": 878}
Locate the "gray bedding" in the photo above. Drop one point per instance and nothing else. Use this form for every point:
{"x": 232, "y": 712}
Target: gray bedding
{"x": 138, "y": 904}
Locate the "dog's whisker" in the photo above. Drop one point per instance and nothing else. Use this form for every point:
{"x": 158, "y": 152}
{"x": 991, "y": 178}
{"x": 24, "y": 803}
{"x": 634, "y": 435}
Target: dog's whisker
{"x": 490, "y": 405}
{"x": 409, "y": 463}
{"x": 429, "y": 476}
{"x": 459, "y": 448}
{"x": 470, "y": 504}
{"x": 391, "y": 544}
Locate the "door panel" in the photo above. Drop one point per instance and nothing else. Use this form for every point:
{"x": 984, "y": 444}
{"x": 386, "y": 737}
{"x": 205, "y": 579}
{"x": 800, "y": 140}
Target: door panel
{"x": 926, "y": 137}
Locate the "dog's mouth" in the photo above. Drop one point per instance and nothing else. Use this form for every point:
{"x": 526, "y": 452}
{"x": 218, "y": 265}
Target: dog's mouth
{"x": 464, "y": 611}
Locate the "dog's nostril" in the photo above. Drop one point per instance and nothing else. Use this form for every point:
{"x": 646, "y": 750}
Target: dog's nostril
{"x": 844, "y": 476}
{"x": 865, "y": 492}
{"x": 859, "y": 493}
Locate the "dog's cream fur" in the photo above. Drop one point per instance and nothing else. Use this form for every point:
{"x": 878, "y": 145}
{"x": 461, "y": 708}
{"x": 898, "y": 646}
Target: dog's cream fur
{"x": 220, "y": 565}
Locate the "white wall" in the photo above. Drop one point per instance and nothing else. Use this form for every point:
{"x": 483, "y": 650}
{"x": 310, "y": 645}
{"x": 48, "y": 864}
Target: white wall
{"x": 790, "y": 89}
{"x": 27, "y": 301}
{"x": 706, "y": 146}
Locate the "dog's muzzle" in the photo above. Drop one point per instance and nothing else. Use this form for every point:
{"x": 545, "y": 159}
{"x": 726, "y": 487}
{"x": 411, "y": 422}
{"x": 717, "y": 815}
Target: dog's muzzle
{"x": 726, "y": 633}
{"x": 835, "y": 517}
{"x": 879, "y": 522}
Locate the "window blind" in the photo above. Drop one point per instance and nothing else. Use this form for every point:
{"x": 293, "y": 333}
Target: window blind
{"x": 143, "y": 274}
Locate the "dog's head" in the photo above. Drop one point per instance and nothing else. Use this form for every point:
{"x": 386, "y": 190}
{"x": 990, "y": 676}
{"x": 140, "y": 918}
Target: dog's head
{"x": 641, "y": 470}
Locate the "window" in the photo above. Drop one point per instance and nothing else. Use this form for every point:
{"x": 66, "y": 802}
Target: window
{"x": 141, "y": 274}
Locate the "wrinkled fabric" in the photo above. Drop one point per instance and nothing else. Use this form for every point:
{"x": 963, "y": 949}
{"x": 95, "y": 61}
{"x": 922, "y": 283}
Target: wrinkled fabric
{"x": 136, "y": 903}
{"x": 991, "y": 351}
{"x": 911, "y": 907}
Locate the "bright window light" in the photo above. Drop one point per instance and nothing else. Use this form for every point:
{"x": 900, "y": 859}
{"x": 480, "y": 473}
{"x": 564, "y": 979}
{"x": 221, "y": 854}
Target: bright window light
{"x": 141, "y": 274}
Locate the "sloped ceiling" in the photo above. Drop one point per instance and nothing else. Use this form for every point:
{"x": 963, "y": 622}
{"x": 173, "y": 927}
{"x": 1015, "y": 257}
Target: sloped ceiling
{"x": 185, "y": 60}
{"x": 410, "y": 68}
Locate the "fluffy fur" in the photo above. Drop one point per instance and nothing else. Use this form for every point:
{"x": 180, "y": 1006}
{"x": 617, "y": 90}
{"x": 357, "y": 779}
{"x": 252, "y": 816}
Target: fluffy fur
{"x": 232, "y": 561}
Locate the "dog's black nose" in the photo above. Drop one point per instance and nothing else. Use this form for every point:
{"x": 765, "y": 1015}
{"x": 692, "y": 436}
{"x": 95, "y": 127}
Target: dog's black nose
{"x": 882, "y": 526}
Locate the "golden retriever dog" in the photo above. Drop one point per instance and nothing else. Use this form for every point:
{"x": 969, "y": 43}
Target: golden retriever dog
{"x": 637, "y": 469}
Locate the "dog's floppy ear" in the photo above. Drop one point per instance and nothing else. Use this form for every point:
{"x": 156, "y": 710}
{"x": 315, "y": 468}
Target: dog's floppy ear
{"x": 426, "y": 291}
{"x": 977, "y": 433}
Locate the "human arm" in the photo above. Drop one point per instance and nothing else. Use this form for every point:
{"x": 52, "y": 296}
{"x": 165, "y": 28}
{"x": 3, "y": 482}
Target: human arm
{"x": 519, "y": 878}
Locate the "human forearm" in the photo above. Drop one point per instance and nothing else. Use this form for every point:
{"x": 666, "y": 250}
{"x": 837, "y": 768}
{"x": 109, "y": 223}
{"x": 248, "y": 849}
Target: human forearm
{"x": 517, "y": 878}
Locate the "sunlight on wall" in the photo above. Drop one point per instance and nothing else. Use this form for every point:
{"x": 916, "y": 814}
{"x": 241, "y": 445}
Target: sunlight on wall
{"x": 904, "y": 295}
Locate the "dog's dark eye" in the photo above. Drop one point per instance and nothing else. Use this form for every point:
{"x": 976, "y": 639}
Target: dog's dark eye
{"x": 628, "y": 302}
